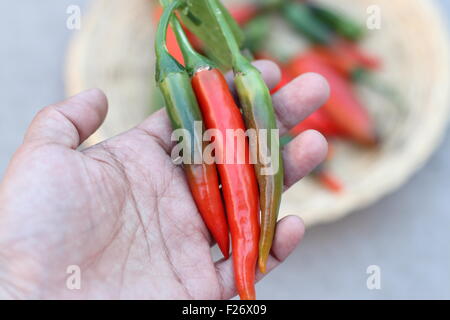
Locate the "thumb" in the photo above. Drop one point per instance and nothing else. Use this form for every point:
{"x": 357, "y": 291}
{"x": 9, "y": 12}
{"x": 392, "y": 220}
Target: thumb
{"x": 69, "y": 123}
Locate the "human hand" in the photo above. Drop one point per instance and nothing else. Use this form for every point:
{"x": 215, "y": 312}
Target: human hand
{"x": 121, "y": 210}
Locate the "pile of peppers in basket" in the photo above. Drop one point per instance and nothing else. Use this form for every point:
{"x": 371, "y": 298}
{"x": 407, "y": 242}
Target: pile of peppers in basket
{"x": 198, "y": 91}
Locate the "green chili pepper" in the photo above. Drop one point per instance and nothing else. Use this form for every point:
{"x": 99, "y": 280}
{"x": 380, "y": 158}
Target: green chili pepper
{"x": 256, "y": 32}
{"x": 343, "y": 25}
{"x": 302, "y": 18}
{"x": 256, "y": 103}
{"x": 184, "y": 112}
{"x": 257, "y": 108}
{"x": 175, "y": 84}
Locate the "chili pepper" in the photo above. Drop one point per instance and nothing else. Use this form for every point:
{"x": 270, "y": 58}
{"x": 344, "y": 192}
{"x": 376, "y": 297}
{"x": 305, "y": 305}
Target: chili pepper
{"x": 256, "y": 32}
{"x": 303, "y": 20}
{"x": 183, "y": 111}
{"x": 284, "y": 80}
{"x": 356, "y": 53}
{"x": 347, "y": 65}
{"x": 343, "y": 25}
{"x": 343, "y": 107}
{"x": 325, "y": 177}
{"x": 348, "y": 59}
{"x": 259, "y": 115}
{"x": 319, "y": 121}
{"x": 239, "y": 183}
{"x": 350, "y": 67}
{"x": 328, "y": 180}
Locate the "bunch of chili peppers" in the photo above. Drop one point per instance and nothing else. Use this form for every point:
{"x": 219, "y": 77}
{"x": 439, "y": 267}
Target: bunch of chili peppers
{"x": 198, "y": 91}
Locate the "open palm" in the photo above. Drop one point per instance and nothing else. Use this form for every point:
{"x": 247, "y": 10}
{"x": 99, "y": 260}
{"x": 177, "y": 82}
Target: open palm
{"x": 121, "y": 210}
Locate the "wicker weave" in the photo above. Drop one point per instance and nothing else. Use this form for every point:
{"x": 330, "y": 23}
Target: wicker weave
{"x": 113, "y": 51}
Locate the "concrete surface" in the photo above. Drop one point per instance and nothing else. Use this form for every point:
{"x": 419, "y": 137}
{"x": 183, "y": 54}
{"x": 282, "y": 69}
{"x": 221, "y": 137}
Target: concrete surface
{"x": 407, "y": 234}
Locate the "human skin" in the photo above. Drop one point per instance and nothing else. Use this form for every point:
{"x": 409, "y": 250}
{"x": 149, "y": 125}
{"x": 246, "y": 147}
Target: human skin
{"x": 121, "y": 210}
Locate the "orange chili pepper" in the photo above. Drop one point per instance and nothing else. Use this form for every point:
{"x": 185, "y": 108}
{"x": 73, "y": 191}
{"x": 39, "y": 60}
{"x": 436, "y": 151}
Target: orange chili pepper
{"x": 239, "y": 184}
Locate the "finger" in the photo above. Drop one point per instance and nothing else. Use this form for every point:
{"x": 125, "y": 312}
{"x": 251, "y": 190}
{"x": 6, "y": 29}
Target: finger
{"x": 298, "y": 99}
{"x": 270, "y": 71}
{"x": 288, "y": 234}
{"x": 302, "y": 155}
{"x": 158, "y": 127}
{"x": 70, "y": 122}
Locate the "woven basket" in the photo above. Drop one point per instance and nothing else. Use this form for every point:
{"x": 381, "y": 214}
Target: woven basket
{"x": 114, "y": 51}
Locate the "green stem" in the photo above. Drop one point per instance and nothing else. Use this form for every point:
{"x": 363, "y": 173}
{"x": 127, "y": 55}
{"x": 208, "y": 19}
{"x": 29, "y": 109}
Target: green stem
{"x": 240, "y": 63}
{"x": 161, "y": 34}
{"x": 342, "y": 24}
{"x": 301, "y": 17}
{"x": 286, "y": 139}
{"x": 192, "y": 59}
{"x": 165, "y": 62}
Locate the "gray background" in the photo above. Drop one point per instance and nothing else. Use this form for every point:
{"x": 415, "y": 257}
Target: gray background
{"x": 407, "y": 234}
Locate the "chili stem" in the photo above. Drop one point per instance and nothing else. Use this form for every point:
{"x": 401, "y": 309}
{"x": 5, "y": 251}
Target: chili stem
{"x": 239, "y": 62}
{"x": 162, "y": 53}
{"x": 193, "y": 60}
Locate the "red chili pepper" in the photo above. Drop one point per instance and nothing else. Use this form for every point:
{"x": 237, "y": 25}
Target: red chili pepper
{"x": 239, "y": 184}
{"x": 329, "y": 180}
{"x": 204, "y": 185}
{"x": 325, "y": 177}
{"x": 285, "y": 79}
{"x": 319, "y": 121}
{"x": 343, "y": 107}
{"x": 353, "y": 51}
{"x": 347, "y": 59}
{"x": 340, "y": 62}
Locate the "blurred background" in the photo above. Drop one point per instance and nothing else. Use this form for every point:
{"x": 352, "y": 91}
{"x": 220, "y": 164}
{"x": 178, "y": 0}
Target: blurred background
{"x": 406, "y": 234}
